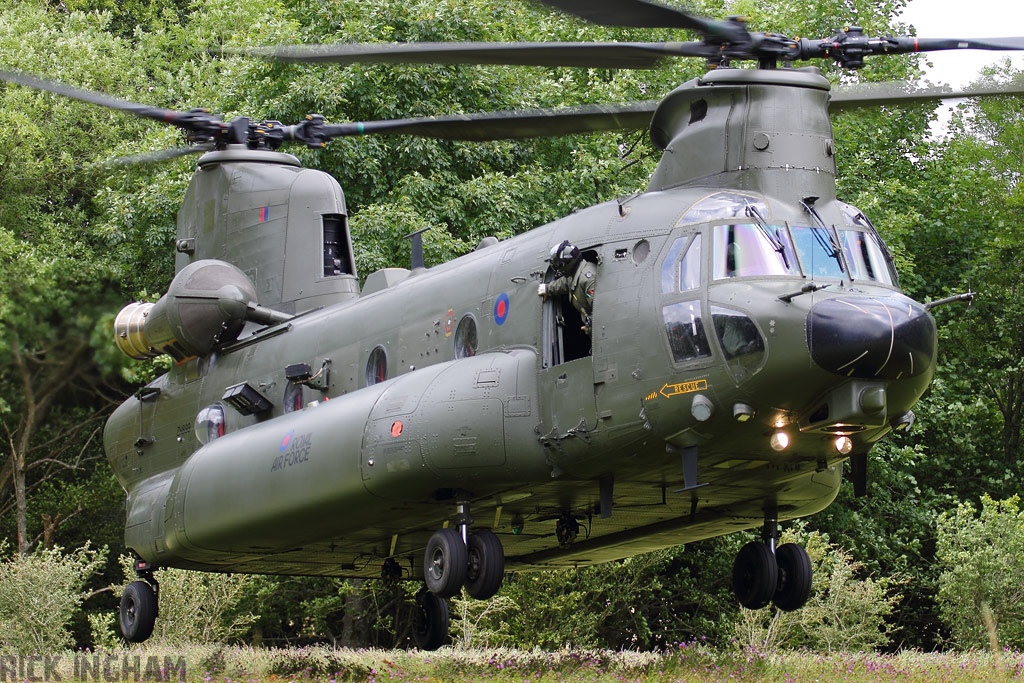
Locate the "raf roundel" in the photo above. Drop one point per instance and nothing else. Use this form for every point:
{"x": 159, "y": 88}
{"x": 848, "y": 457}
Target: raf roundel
{"x": 286, "y": 440}
{"x": 501, "y": 309}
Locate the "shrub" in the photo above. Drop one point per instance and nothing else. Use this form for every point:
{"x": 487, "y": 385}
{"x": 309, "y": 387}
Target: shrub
{"x": 39, "y": 594}
{"x": 982, "y": 579}
{"x": 197, "y": 607}
{"x": 846, "y": 611}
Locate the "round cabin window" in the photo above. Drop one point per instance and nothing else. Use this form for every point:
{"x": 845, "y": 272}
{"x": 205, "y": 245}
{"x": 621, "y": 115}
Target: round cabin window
{"x": 377, "y": 366}
{"x": 465, "y": 337}
{"x": 210, "y": 423}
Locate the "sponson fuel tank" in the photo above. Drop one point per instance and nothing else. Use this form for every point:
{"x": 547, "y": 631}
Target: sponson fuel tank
{"x": 316, "y": 473}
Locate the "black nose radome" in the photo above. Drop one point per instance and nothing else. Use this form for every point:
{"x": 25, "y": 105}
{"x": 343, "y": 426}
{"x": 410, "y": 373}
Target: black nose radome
{"x": 871, "y": 337}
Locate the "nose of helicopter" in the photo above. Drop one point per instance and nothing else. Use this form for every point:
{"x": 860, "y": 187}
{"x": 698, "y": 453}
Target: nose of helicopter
{"x": 889, "y": 337}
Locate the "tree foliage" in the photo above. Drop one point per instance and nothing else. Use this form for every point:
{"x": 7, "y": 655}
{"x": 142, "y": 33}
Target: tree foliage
{"x": 981, "y": 587}
{"x": 78, "y": 240}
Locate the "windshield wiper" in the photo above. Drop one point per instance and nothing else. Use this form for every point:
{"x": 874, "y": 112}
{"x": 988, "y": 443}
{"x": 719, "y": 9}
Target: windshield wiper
{"x": 832, "y": 243}
{"x": 762, "y": 225}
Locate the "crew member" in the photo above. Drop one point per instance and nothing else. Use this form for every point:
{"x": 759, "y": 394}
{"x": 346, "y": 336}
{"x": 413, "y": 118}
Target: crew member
{"x": 575, "y": 276}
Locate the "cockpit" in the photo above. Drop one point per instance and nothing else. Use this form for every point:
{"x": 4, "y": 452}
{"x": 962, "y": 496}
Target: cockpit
{"x": 752, "y": 244}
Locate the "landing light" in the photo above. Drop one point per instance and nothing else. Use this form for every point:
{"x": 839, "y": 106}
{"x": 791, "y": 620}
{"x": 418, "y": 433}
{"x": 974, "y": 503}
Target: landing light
{"x": 844, "y": 445}
{"x": 779, "y": 441}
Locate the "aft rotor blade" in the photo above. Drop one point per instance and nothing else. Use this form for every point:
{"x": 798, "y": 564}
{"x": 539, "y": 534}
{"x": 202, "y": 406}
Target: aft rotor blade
{"x": 592, "y": 55}
{"x": 157, "y": 114}
{"x": 159, "y": 155}
{"x": 500, "y": 125}
{"x": 876, "y": 94}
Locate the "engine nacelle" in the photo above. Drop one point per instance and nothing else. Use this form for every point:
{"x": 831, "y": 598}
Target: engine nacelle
{"x": 206, "y": 305}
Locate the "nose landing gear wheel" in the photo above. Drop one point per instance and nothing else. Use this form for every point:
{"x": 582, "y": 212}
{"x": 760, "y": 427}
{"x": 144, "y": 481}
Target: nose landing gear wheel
{"x": 486, "y": 566}
{"x": 430, "y": 621}
{"x": 444, "y": 563}
{"x": 754, "y": 575}
{"x": 138, "y": 611}
{"x": 795, "y": 573}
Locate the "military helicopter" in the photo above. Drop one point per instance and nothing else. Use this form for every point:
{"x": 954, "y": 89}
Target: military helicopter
{"x": 743, "y": 337}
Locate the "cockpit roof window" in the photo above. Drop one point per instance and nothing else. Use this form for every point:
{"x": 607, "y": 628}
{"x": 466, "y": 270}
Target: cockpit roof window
{"x": 721, "y": 206}
{"x": 854, "y": 216}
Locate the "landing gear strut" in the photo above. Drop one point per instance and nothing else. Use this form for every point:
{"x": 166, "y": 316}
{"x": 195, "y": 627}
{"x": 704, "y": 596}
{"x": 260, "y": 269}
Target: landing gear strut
{"x": 763, "y": 573}
{"x": 455, "y": 558}
{"x": 139, "y": 605}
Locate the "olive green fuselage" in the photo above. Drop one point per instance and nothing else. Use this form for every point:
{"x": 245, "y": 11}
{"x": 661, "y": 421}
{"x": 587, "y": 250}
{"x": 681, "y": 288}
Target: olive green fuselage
{"x": 533, "y": 421}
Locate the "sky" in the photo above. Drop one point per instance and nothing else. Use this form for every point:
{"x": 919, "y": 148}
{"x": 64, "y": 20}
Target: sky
{"x": 965, "y": 19}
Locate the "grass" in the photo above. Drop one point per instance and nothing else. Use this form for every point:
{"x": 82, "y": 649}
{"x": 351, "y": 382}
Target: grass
{"x": 686, "y": 662}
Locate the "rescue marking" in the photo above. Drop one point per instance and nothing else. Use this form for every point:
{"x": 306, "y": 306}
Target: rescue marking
{"x": 670, "y": 390}
{"x": 501, "y": 309}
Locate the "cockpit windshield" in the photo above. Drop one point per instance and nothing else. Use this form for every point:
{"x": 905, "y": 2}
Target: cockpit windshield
{"x": 819, "y": 253}
{"x": 745, "y": 249}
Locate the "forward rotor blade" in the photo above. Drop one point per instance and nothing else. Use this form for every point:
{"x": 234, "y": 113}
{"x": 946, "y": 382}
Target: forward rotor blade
{"x": 876, "y": 94}
{"x": 588, "y": 55}
{"x": 647, "y": 14}
{"x": 635, "y": 13}
{"x": 505, "y": 125}
{"x": 931, "y": 44}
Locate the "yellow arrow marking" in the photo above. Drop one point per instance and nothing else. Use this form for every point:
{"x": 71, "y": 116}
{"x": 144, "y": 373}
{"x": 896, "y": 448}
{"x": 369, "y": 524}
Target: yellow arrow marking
{"x": 670, "y": 390}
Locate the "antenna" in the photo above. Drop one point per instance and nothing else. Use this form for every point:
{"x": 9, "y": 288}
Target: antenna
{"x": 416, "y": 261}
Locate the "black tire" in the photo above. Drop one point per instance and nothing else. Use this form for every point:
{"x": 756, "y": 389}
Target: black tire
{"x": 486, "y": 564}
{"x": 444, "y": 563}
{"x": 754, "y": 575}
{"x": 430, "y": 621}
{"x": 795, "y": 574}
{"x": 138, "y": 611}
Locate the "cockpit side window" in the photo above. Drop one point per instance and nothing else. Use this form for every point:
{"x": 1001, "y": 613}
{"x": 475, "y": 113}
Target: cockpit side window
{"x": 687, "y": 269}
{"x": 865, "y": 256}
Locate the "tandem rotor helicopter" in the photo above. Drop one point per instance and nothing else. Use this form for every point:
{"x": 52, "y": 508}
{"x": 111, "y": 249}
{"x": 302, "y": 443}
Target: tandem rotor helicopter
{"x": 702, "y": 358}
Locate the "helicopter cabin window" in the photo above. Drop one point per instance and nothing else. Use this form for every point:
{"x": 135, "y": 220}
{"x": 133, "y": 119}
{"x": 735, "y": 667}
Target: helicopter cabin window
{"x": 865, "y": 256}
{"x": 210, "y": 423}
{"x": 337, "y": 249}
{"x": 293, "y": 397}
{"x": 465, "y": 337}
{"x": 741, "y": 342}
{"x": 721, "y": 206}
{"x": 746, "y": 249}
{"x": 687, "y": 268}
{"x": 819, "y": 253}
{"x": 685, "y": 329}
{"x": 377, "y": 366}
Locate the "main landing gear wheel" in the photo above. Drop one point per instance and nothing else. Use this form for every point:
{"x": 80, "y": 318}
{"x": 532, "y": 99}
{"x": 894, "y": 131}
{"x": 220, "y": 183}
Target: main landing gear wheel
{"x": 486, "y": 566}
{"x": 444, "y": 563}
{"x": 138, "y": 611}
{"x": 794, "y": 584}
{"x": 430, "y": 620}
{"x": 755, "y": 575}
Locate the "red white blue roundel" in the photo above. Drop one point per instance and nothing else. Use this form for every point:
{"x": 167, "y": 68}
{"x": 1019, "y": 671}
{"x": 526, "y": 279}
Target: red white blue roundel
{"x": 501, "y": 309}
{"x": 287, "y": 440}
